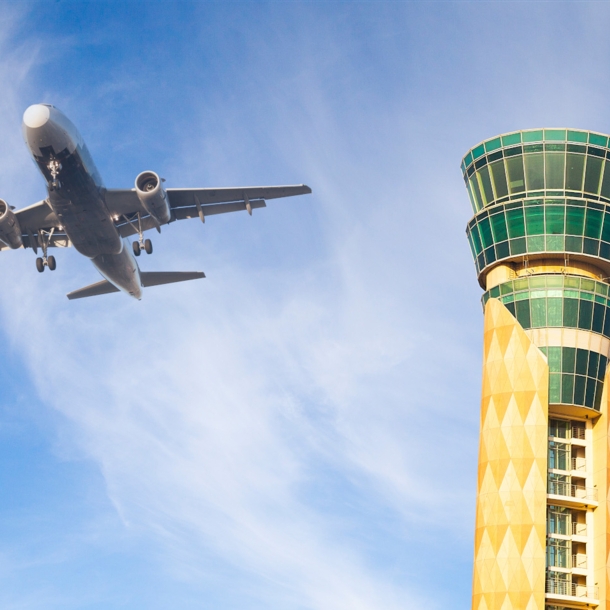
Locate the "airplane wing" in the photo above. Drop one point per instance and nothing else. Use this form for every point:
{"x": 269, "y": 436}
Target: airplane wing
{"x": 36, "y": 219}
{"x": 194, "y": 203}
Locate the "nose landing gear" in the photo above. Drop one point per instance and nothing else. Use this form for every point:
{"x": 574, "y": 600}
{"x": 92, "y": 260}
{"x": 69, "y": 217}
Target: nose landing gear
{"x": 54, "y": 168}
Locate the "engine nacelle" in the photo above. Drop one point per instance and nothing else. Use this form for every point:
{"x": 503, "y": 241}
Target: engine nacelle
{"x": 10, "y": 231}
{"x": 153, "y": 197}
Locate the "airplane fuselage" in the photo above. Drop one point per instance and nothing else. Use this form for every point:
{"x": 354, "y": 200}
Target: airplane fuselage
{"x": 76, "y": 195}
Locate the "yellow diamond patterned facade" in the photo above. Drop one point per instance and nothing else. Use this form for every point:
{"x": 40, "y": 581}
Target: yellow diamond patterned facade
{"x": 540, "y": 238}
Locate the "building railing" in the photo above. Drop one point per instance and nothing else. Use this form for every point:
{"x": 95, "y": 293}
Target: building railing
{"x": 579, "y": 463}
{"x": 579, "y": 561}
{"x": 559, "y": 587}
{"x": 559, "y": 488}
{"x": 578, "y": 433}
{"x": 579, "y": 529}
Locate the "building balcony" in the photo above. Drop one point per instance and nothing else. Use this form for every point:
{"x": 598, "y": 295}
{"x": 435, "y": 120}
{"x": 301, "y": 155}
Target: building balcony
{"x": 557, "y": 591}
{"x": 579, "y": 529}
{"x": 578, "y": 463}
{"x": 568, "y": 494}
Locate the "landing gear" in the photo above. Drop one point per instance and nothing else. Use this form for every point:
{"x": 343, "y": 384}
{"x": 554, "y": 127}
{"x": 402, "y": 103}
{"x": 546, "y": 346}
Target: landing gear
{"x": 141, "y": 244}
{"x": 54, "y": 168}
{"x": 45, "y": 261}
{"x": 145, "y": 245}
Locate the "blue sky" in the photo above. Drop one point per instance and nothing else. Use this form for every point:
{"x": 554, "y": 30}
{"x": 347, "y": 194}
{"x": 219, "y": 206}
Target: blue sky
{"x": 298, "y": 431}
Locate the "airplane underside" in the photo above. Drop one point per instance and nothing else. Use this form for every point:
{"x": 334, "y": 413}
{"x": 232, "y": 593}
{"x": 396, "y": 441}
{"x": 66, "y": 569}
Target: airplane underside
{"x": 81, "y": 212}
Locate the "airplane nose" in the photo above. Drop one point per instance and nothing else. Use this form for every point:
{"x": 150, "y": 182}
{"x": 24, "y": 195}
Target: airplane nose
{"x": 36, "y": 116}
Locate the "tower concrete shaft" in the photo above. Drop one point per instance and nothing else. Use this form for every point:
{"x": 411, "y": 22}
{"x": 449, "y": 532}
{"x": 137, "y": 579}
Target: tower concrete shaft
{"x": 540, "y": 238}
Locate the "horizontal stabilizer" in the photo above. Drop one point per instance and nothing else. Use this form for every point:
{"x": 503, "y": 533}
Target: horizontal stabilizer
{"x": 156, "y": 278}
{"x": 150, "y": 278}
{"x": 103, "y": 287}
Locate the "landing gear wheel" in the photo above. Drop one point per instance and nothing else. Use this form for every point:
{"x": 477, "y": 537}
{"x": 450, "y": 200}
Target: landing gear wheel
{"x": 148, "y": 246}
{"x": 136, "y": 248}
{"x": 51, "y": 263}
{"x": 39, "y": 265}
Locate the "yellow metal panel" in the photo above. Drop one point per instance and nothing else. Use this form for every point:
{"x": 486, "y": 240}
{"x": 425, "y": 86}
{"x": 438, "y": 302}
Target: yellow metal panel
{"x": 510, "y": 538}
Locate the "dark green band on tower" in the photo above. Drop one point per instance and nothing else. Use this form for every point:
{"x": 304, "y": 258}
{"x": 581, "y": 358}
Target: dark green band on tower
{"x": 539, "y": 225}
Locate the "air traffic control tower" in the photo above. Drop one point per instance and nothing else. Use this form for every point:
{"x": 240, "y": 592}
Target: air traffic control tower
{"x": 540, "y": 237}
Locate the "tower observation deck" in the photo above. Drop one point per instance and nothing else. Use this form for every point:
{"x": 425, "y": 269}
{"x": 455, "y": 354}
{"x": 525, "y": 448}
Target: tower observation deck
{"x": 540, "y": 238}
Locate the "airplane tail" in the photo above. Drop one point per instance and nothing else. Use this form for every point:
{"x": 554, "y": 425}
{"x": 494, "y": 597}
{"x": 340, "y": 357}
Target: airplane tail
{"x": 150, "y": 278}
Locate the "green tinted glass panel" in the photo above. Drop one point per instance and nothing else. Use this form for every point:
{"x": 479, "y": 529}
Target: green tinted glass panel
{"x": 555, "y": 243}
{"x": 593, "y": 174}
{"x": 590, "y": 392}
{"x": 573, "y": 244}
{"x": 567, "y": 389}
{"x": 471, "y": 196}
{"x": 569, "y": 360}
{"x": 586, "y": 284}
{"x": 570, "y": 313}
{"x": 534, "y": 171}
{"x": 479, "y": 151}
{"x": 598, "y": 139}
{"x": 534, "y": 220}
{"x": 593, "y": 223}
{"x": 585, "y": 315}
{"x": 511, "y": 138}
{"x": 605, "y": 189}
{"x": 577, "y": 136}
{"x": 532, "y": 136}
{"x": 555, "y": 388}
{"x": 554, "y": 358}
{"x": 606, "y": 228}
{"x": 538, "y": 312}
{"x": 593, "y": 364}
{"x": 493, "y": 144}
{"x": 554, "y": 134}
{"x": 499, "y": 177}
{"x": 554, "y": 170}
{"x": 598, "y": 318}
{"x": 516, "y": 179}
{"x": 474, "y": 187}
{"x": 498, "y": 225}
{"x": 523, "y": 313}
{"x": 485, "y": 231}
{"x": 555, "y": 219}
{"x": 474, "y": 232}
{"x": 516, "y": 224}
{"x": 486, "y": 184}
{"x": 518, "y": 246}
{"x": 582, "y": 361}
{"x": 536, "y": 243}
{"x": 579, "y": 390}
{"x": 554, "y": 312}
{"x": 574, "y": 171}
{"x": 575, "y": 219}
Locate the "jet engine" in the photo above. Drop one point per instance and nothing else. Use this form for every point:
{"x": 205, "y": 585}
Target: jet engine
{"x": 10, "y": 231}
{"x": 153, "y": 197}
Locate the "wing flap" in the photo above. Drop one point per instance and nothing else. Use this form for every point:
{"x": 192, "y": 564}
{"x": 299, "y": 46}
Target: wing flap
{"x": 180, "y": 198}
{"x": 216, "y": 208}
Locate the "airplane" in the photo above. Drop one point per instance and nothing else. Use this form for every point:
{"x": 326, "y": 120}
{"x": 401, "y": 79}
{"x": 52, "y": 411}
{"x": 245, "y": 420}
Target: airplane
{"x": 79, "y": 211}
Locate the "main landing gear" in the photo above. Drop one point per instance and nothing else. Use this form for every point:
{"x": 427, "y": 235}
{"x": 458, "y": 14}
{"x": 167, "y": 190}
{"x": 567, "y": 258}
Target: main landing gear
{"x": 45, "y": 261}
{"x": 142, "y": 244}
